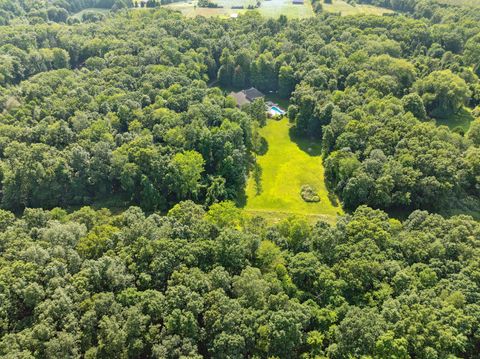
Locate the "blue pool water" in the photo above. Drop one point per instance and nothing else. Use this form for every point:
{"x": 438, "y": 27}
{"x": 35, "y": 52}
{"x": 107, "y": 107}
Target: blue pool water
{"x": 277, "y": 110}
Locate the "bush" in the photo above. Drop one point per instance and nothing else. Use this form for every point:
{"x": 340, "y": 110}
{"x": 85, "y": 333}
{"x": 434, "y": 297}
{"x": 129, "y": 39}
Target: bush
{"x": 309, "y": 194}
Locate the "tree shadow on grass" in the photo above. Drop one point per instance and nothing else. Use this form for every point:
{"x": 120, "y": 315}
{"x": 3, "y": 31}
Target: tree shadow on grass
{"x": 459, "y": 121}
{"x": 241, "y": 198}
{"x": 263, "y": 147}
{"x": 311, "y": 146}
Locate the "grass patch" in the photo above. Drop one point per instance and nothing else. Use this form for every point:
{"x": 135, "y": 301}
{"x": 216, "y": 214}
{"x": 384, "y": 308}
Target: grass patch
{"x": 470, "y": 3}
{"x": 275, "y": 8}
{"x": 345, "y": 9}
{"x": 460, "y": 120}
{"x": 189, "y": 9}
{"x": 288, "y": 165}
{"x": 229, "y": 3}
{"x": 268, "y": 8}
{"x": 79, "y": 14}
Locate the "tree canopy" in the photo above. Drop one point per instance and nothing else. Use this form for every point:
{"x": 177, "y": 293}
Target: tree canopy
{"x": 123, "y": 162}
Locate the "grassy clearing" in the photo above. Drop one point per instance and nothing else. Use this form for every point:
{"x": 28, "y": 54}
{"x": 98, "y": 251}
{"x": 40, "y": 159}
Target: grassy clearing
{"x": 345, "y": 9}
{"x": 229, "y": 3}
{"x": 268, "y": 8}
{"x": 189, "y": 9}
{"x": 461, "y": 119}
{"x": 286, "y": 166}
{"x": 275, "y": 8}
{"x": 79, "y": 14}
{"x": 471, "y": 3}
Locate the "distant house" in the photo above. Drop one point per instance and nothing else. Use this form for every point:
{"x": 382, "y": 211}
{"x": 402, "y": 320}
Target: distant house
{"x": 246, "y": 96}
{"x": 297, "y": 2}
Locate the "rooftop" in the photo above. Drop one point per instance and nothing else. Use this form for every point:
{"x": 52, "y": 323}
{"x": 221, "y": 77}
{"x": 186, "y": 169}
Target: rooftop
{"x": 252, "y": 94}
{"x": 246, "y": 96}
{"x": 240, "y": 98}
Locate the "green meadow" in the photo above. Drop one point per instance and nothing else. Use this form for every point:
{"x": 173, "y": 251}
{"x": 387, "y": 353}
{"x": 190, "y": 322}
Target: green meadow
{"x": 470, "y": 3}
{"x": 346, "y": 9}
{"x": 79, "y": 14}
{"x": 275, "y": 8}
{"x": 268, "y": 8}
{"x": 461, "y": 119}
{"x": 286, "y": 166}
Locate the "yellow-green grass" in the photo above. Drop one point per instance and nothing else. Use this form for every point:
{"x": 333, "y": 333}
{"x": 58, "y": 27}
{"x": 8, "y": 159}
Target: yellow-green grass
{"x": 268, "y": 8}
{"x": 189, "y": 9}
{"x": 461, "y": 119}
{"x": 471, "y": 3}
{"x": 230, "y": 3}
{"x": 79, "y": 14}
{"x": 286, "y": 166}
{"x": 275, "y": 8}
{"x": 345, "y": 9}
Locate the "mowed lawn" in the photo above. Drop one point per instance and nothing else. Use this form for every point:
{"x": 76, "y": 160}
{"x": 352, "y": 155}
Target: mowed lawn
{"x": 285, "y": 168}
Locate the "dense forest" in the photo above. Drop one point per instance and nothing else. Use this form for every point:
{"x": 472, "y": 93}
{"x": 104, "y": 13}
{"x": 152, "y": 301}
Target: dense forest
{"x": 41, "y": 11}
{"x": 130, "y": 111}
{"x": 122, "y": 106}
{"x": 198, "y": 284}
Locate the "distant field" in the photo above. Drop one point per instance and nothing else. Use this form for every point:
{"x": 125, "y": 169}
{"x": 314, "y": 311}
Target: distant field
{"x": 472, "y": 3}
{"x": 268, "y": 8}
{"x": 79, "y": 14}
{"x": 345, "y": 9}
{"x": 230, "y": 3}
{"x": 189, "y": 9}
{"x": 285, "y": 168}
{"x": 275, "y": 8}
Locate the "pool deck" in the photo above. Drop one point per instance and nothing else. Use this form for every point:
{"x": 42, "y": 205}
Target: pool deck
{"x": 274, "y": 110}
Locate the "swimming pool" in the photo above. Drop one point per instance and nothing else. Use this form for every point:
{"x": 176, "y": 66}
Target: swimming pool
{"x": 274, "y": 110}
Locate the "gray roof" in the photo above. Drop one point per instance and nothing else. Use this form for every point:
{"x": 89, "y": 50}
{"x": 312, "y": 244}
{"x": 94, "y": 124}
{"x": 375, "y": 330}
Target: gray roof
{"x": 240, "y": 98}
{"x": 252, "y": 94}
{"x": 297, "y": 2}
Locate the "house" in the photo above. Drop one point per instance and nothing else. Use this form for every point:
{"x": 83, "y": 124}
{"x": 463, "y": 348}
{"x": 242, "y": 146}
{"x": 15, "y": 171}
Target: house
{"x": 252, "y": 94}
{"x": 246, "y": 96}
{"x": 297, "y": 2}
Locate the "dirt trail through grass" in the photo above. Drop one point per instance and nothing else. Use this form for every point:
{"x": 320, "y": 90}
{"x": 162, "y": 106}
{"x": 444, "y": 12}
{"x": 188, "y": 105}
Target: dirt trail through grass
{"x": 286, "y": 166}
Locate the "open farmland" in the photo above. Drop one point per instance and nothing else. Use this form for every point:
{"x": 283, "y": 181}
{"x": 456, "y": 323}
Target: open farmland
{"x": 471, "y": 3}
{"x": 274, "y": 8}
{"x": 189, "y": 9}
{"x": 268, "y": 8}
{"x": 345, "y": 9}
